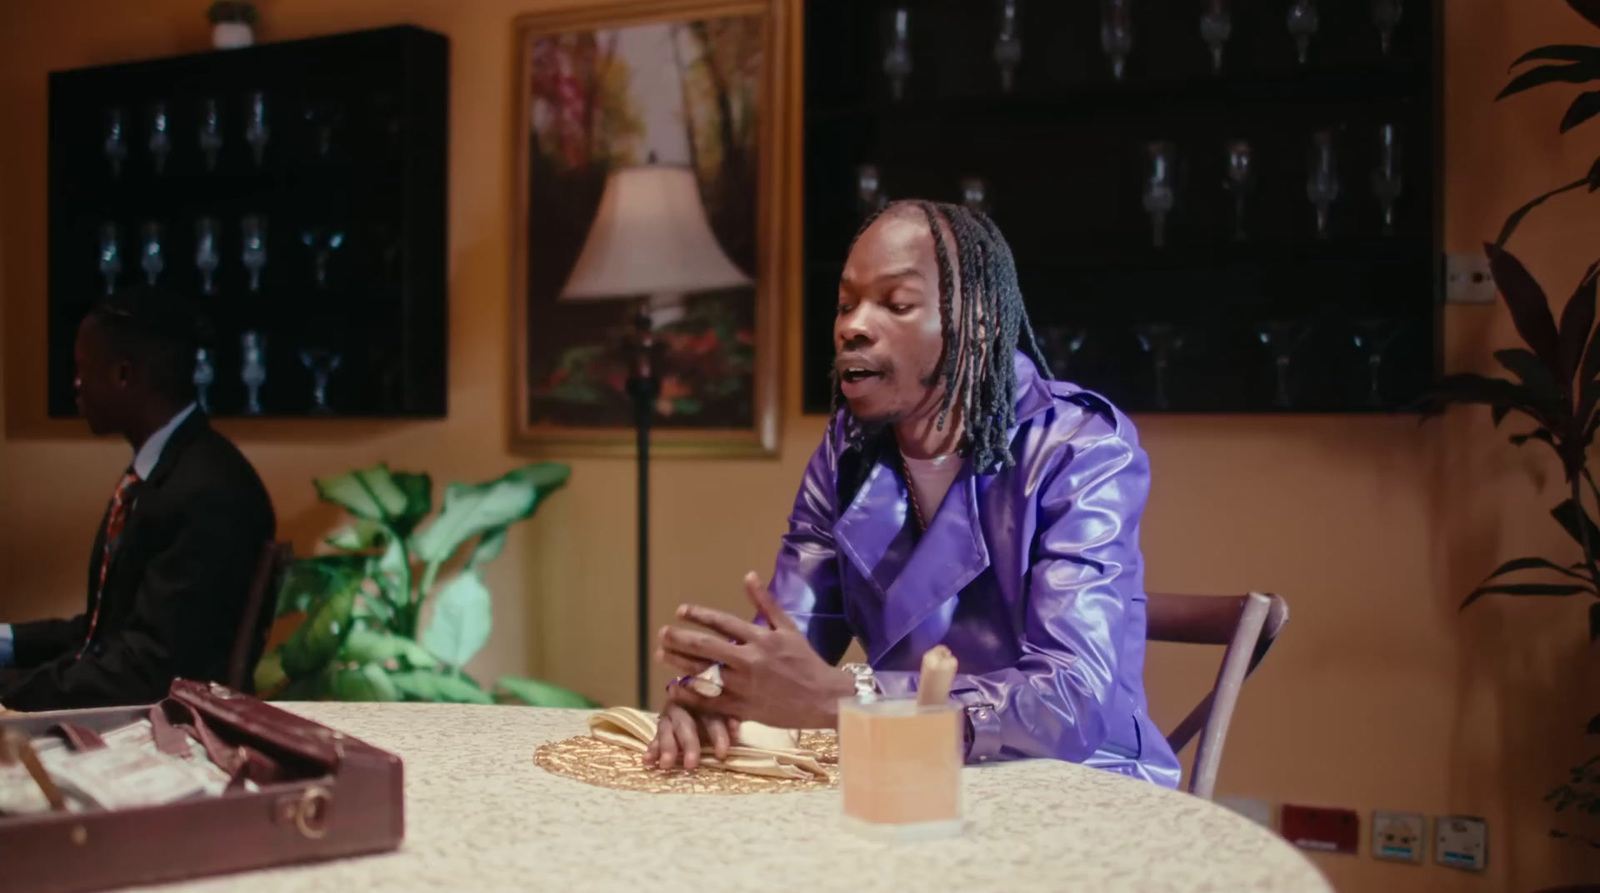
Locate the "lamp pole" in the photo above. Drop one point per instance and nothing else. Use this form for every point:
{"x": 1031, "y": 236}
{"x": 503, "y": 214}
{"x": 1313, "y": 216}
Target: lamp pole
{"x": 643, "y": 386}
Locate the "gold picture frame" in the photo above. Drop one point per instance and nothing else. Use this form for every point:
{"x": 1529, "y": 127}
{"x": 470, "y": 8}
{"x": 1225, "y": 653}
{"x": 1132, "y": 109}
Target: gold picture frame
{"x": 560, "y": 359}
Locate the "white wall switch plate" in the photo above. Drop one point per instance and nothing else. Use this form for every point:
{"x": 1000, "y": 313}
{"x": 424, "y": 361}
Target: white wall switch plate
{"x": 1461, "y": 842}
{"x": 1398, "y": 836}
{"x": 1258, "y": 811}
{"x": 1467, "y": 279}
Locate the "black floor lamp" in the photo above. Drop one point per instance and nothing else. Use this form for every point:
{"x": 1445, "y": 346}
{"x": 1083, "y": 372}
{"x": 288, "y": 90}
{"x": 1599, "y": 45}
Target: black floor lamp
{"x": 650, "y": 242}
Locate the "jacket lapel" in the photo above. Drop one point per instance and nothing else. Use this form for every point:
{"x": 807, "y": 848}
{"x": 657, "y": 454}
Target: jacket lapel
{"x": 139, "y": 492}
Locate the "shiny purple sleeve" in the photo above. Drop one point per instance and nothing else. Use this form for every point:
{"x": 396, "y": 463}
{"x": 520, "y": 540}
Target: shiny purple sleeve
{"x": 1085, "y": 571}
{"x": 805, "y": 580}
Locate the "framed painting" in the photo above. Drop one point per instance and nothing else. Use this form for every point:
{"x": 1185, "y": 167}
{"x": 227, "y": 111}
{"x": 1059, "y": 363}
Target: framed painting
{"x": 632, "y": 120}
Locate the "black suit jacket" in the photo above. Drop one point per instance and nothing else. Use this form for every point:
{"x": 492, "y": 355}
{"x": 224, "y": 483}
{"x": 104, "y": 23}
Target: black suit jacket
{"x": 175, "y": 590}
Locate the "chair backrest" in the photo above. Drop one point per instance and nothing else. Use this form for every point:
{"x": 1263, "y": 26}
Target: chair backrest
{"x": 1247, "y": 625}
{"x": 255, "y": 621}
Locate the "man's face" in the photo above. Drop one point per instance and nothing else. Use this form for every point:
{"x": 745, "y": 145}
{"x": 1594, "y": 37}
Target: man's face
{"x": 102, "y": 379}
{"x": 887, "y": 337}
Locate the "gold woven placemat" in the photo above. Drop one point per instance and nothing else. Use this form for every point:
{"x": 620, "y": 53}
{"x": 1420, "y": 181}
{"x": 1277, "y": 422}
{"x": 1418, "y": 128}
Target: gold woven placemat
{"x": 606, "y": 765}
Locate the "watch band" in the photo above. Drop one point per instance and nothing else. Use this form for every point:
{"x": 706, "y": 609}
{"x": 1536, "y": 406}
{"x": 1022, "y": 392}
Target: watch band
{"x": 866, "y": 683}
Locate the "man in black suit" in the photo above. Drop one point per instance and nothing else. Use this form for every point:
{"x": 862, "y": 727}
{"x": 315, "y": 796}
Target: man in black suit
{"x": 175, "y": 554}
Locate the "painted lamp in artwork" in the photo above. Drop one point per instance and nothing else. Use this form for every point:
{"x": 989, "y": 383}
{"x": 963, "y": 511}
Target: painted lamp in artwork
{"x": 650, "y": 243}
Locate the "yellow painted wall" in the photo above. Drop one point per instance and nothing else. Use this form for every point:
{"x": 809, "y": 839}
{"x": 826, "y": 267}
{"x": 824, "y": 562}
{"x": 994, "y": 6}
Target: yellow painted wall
{"x": 1380, "y": 695}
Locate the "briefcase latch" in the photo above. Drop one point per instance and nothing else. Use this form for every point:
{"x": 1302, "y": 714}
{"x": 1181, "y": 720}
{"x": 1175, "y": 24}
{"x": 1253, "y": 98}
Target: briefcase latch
{"x": 308, "y": 812}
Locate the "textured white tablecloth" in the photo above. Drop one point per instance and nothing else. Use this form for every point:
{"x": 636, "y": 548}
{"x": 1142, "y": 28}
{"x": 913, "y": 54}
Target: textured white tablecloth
{"x": 480, "y": 816}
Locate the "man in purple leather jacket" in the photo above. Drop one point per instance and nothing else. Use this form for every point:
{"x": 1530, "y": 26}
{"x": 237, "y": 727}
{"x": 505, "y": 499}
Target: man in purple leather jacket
{"x": 958, "y": 498}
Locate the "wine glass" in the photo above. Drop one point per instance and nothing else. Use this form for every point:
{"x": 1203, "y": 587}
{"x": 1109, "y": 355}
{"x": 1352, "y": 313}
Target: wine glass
{"x": 160, "y": 140}
{"x": 322, "y": 363}
{"x": 974, "y": 195}
{"x": 206, "y": 257}
{"x": 205, "y": 373}
{"x": 254, "y": 254}
{"x": 1303, "y": 23}
{"x": 115, "y": 145}
{"x": 1216, "y": 26}
{"x": 1241, "y": 180}
{"x": 323, "y": 118}
{"x": 322, "y": 243}
{"x": 151, "y": 259}
{"x": 1386, "y": 180}
{"x": 256, "y": 131}
{"x": 1386, "y": 15}
{"x": 253, "y": 371}
{"x": 210, "y": 132}
{"x": 1283, "y": 339}
{"x": 1008, "y": 45}
{"x": 1061, "y": 346}
{"x": 1159, "y": 195}
{"x": 110, "y": 255}
{"x": 1322, "y": 180}
{"x": 869, "y": 190}
{"x": 1372, "y": 339}
{"x": 1116, "y": 33}
{"x": 897, "y": 61}
{"x": 1161, "y": 341}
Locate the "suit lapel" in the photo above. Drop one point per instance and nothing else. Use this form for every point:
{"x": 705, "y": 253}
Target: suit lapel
{"x": 140, "y": 492}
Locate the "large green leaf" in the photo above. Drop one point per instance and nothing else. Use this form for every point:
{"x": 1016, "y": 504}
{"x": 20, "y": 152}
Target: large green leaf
{"x": 1570, "y": 516}
{"x": 359, "y": 537}
{"x": 425, "y": 685}
{"x": 1574, "y": 73}
{"x": 1527, "y": 564}
{"x": 269, "y": 675}
{"x": 461, "y": 620}
{"x": 393, "y": 573}
{"x": 371, "y": 493}
{"x": 1527, "y": 589}
{"x": 489, "y": 547}
{"x": 310, "y": 579}
{"x": 418, "y": 489}
{"x": 379, "y": 647}
{"x": 366, "y": 683}
{"x": 319, "y": 638}
{"x": 542, "y": 694}
{"x": 473, "y": 509}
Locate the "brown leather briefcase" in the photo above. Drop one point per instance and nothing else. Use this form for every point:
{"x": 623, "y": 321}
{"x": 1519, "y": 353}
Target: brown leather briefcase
{"x": 320, "y": 795}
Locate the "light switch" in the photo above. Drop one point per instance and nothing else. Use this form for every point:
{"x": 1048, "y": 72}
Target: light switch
{"x": 1467, "y": 279}
{"x": 1462, "y": 842}
{"x": 1398, "y": 836}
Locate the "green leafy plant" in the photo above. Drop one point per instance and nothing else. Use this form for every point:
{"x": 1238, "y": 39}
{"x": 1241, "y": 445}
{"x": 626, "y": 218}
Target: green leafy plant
{"x": 1576, "y": 64}
{"x": 230, "y": 11}
{"x": 363, "y": 604}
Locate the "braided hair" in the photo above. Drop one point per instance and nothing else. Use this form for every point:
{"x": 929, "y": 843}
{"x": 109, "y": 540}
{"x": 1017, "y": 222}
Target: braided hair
{"x": 975, "y": 360}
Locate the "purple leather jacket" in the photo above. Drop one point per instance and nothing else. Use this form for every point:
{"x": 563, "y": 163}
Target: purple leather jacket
{"x": 1031, "y": 576}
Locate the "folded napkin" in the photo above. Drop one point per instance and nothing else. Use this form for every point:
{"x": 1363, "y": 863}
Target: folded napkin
{"x": 759, "y": 750}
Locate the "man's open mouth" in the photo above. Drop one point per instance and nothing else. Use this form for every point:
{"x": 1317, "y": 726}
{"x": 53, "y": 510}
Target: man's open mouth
{"x": 853, "y": 374}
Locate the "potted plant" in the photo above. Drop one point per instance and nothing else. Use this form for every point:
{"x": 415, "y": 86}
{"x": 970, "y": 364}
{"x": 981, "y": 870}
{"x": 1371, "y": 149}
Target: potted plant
{"x": 232, "y": 24}
{"x": 360, "y": 634}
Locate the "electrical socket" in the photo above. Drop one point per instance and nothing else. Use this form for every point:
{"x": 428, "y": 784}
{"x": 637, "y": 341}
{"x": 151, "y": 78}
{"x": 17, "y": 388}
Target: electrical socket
{"x": 1467, "y": 279}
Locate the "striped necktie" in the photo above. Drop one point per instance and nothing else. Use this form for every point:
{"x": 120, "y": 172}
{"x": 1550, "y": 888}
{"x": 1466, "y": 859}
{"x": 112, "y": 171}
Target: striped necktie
{"x": 115, "y": 520}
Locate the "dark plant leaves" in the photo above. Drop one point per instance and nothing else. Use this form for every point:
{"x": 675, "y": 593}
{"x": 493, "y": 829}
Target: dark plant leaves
{"x": 1472, "y": 388}
{"x": 1575, "y": 73}
{"x": 1558, "y": 52}
{"x": 1594, "y": 725}
{"x": 1530, "y": 310}
{"x": 1570, "y": 515}
{"x": 1594, "y": 622}
{"x": 1592, "y": 180}
{"x": 1541, "y": 434}
{"x": 1548, "y": 391}
{"x": 1586, "y": 106}
{"x": 1528, "y": 564}
{"x": 1577, "y": 322}
{"x": 1539, "y": 589}
{"x": 1589, "y": 9}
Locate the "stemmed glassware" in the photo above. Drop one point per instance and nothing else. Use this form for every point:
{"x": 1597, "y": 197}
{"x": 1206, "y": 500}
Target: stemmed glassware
{"x": 1372, "y": 339}
{"x": 115, "y": 145}
{"x": 1216, "y": 26}
{"x": 322, "y": 363}
{"x": 975, "y": 195}
{"x": 1008, "y": 45}
{"x": 1161, "y": 341}
{"x": 1386, "y": 180}
{"x": 160, "y": 140}
{"x": 151, "y": 258}
{"x": 1062, "y": 344}
{"x": 323, "y": 118}
{"x": 897, "y": 61}
{"x": 1241, "y": 180}
{"x": 110, "y": 255}
{"x": 1386, "y": 15}
{"x": 253, "y": 229}
{"x": 1283, "y": 339}
{"x": 1303, "y": 23}
{"x": 206, "y": 257}
{"x": 1159, "y": 192}
{"x": 205, "y": 374}
{"x": 1116, "y": 33}
{"x": 253, "y": 371}
{"x": 322, "y": 243}
{"x": 256, "y": 131}
{"x": 869, "y": 191}
{"x": 1322, "y": 178}
{"x": 210, "y": 132}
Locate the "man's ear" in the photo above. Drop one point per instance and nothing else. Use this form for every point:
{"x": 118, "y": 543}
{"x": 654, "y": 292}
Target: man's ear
{"x": 123, "y": 374}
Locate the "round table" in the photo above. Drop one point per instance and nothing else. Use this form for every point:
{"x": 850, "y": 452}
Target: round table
{"x": 481, "y": 816}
